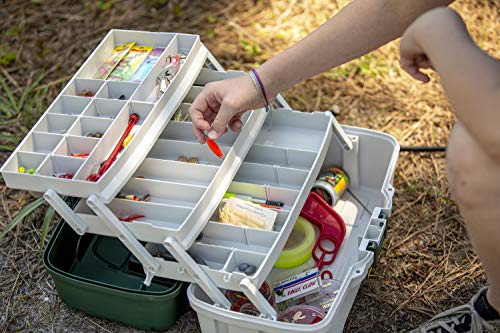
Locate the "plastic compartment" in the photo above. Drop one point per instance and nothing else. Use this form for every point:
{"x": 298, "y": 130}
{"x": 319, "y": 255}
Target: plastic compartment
{"x": 271, "y": 175}
{"x": 97, "y": 275}
{"x": 119, "y": 37}
{"x": 60, "y": 165}
{"x": 161, "y": 192}
{"x": 79, "y": 86}
{"x": 173, "y": 149}
{"x": 41, "y": 142}
{"x": 117, "y": 89}
{"x": 74, "y": 145}
{"x": 55, "y": 123}
{"x": 285, "y": 157}
{"x": 180, "y": 44}
{"x": 86, "y": 126}
{"x": 371, "y": 164}
{"x": 173, "y": 171}
{"x": 103, "y": 108}
{"x": 70, "y": 105}
{"x": 26, "y": 160}
{"x": 182, "y": 131}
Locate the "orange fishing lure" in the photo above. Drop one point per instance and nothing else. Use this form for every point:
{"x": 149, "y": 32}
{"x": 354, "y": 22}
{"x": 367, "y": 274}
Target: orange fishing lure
{"x": 214, "y": 147}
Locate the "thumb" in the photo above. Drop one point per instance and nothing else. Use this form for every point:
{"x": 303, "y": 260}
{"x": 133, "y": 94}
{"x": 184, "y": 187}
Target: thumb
{"x": 225, "y": 114}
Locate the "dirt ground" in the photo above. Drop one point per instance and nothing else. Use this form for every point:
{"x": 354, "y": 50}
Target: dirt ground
{"x": 427, "y": 263}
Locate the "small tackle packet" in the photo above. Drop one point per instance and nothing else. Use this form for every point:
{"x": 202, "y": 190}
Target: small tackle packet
{"x": 297, "y": 285}
{"x": 147, "y": 64}
{"x": 130, "y": 63}
{"x": 109, "y": 65}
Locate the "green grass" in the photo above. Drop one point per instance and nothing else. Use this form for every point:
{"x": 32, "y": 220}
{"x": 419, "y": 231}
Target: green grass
{"x": 19, "y": 109}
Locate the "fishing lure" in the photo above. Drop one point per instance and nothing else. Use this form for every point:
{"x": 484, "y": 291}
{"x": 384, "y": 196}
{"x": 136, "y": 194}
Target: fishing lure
{"x": 214, "y": 147}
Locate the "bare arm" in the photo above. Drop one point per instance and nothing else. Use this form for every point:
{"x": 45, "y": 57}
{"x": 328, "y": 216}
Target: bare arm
{"x": 470, "y": 77}
{"x": 357, "y": 29}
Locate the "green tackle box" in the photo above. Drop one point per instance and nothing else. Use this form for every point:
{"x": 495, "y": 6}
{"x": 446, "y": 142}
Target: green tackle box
{"x": 99, "y": 276}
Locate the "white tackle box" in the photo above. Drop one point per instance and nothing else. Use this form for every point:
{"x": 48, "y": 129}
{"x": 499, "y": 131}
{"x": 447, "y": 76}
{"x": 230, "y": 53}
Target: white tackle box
{"x": 276, "y": 160}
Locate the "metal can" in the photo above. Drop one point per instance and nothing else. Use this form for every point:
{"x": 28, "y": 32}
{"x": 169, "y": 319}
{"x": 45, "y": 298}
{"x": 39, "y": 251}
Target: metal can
{"x": 331, "y": 185}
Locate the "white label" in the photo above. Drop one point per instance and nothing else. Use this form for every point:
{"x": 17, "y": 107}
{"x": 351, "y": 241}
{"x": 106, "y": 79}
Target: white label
{"x": 297, "y": 285}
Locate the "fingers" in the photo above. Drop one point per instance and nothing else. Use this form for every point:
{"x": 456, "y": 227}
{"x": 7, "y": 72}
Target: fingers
{"x": 226, "y": 112}
{"x": 198, "y": 134}
{"x": 412, "y": 66}
{"x": 200, "y": 110}
{"x": 236, "y": 124}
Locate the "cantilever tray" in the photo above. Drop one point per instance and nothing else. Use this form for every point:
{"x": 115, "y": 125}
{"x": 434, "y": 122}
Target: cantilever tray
{"x": 282, "y": 164}
{"x": 64, "y": 127}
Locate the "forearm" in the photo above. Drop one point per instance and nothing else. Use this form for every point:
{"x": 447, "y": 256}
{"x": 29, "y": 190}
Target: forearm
{"x": 469, "y": 76}
{"x": 360, "y": 27}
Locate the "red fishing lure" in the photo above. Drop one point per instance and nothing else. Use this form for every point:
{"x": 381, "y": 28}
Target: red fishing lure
{"x": 214, "y": 147}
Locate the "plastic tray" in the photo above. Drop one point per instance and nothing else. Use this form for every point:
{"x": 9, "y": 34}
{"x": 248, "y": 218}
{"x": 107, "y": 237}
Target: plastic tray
{"x": 96, "y": 275}
{"x": 371, "y": 168}
{"x": 64, "y": 127}
{"x": 275, "y": 168}
{"x": 183, "y": 195}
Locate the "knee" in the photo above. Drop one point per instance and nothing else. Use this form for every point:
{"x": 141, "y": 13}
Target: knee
{"x": 464, "y": 167}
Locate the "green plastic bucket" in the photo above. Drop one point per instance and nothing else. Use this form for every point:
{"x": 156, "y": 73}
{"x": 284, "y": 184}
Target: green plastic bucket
{"x": 99, "y": 276}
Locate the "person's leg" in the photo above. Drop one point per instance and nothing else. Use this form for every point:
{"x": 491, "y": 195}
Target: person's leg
{"x": 474, "y": 180}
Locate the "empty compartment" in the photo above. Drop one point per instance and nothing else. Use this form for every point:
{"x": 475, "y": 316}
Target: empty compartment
{"x": 256, "y": 174}
{"x": 83, "y": 87}
{"x": 174, "y": 194}
{"x": 182, "y": 131}
{"x": 249, "y": 258}
{"x": 30, "y": 162}
{"x": 294, "y": 129}
{"x": 117, "y": 90}
{"x": 291, "y": 178}
{"x": 192, "y": 94}
{"x": 158, "y": 215}
{"x": 60, "y": 166}
{"x": 104, "y": 108}
{"x": 90, "y": 127}
{"x": 41, "y": 142}
{"x": 76, "y": 146}
{"x": 121, "y": 37}
{"x": 213, "y": 256}
{"x": 172, "y": 150}
{"x": 249, "y": 239}
{"x": 292, "y": 158}
{"x": 148, "y": 90}
{"x": 55, "y": 123}
{"x": 71, "y": 105}
{"x": 179, "y": 172}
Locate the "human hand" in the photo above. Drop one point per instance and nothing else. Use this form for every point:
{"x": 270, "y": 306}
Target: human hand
{"x": 221, "y": 104}
{"x": 412, "y": 56}
{"x": 422, "y": 37}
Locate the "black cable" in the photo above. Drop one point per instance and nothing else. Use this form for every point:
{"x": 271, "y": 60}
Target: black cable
{"x": 420, "y": 149}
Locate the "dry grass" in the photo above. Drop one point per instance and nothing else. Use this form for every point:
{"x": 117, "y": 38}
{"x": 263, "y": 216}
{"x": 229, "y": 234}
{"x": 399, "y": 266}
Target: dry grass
{"x": 427, "y": 264}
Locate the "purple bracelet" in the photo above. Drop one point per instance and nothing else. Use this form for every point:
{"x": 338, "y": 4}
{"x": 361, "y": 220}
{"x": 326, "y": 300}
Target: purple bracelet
{"x": 262, "y": 89}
